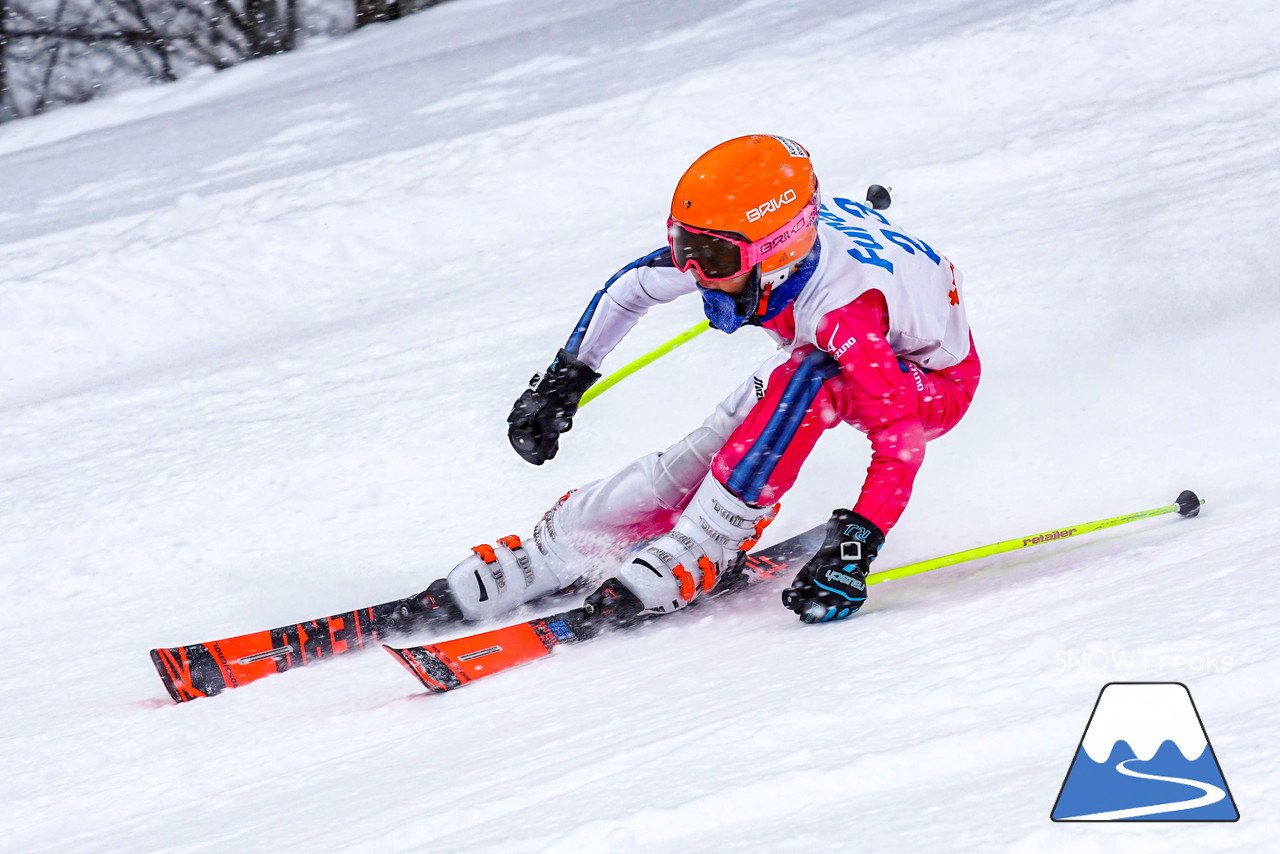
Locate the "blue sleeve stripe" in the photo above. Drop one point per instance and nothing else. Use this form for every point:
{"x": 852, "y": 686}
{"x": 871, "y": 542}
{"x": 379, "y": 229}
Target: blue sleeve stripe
{"x": 580, "y": 331}
{"x": 749, "y": 476}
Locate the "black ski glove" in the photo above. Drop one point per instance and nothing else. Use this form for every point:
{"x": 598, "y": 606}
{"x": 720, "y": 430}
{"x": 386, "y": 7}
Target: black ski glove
{"x": 833, "y": 584}
{"x": 547, "y": 407}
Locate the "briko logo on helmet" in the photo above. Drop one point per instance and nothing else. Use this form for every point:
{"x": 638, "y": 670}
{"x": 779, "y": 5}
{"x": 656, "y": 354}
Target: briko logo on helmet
{"x": 770, "y": 206}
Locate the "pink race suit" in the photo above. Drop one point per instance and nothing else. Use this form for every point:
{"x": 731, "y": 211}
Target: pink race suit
{"x": 874, "y": 334}
{"x": 899, "y": 405}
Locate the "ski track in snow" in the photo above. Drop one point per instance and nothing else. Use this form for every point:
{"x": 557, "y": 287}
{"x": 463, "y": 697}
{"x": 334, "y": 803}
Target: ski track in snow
{"x": 260, "y": 330}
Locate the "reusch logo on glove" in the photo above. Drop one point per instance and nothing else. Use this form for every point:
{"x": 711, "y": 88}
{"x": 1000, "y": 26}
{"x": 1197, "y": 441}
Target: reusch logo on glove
{"x": 843, "y": 578}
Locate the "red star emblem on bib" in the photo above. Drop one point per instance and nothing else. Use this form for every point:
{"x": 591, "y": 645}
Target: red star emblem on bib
{"x": 954, "y": 296}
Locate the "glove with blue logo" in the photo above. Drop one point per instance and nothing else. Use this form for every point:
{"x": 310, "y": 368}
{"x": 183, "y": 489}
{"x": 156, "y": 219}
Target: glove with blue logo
{"x": 833, "y": 584}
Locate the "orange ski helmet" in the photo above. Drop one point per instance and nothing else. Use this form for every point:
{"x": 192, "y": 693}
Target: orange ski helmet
{"x": 751, "y": 188}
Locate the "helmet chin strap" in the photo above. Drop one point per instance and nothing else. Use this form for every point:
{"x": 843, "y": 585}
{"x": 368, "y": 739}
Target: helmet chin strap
{"x": 778, "y": 276}
{"x": 761, "y": 286}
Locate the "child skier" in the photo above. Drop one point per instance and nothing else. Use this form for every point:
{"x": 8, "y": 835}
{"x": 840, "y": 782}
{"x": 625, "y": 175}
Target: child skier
{"x": 872, "y": 332}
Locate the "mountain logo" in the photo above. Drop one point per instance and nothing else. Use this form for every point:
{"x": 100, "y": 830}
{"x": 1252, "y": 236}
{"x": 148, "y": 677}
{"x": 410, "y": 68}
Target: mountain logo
{"x": 1145, "y": 756}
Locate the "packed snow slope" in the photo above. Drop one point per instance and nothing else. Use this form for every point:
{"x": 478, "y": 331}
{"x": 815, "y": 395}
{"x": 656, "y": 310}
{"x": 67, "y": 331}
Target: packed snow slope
{"x": 259, "y": 333}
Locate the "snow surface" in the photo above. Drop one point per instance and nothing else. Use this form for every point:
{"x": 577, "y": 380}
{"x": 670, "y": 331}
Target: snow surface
{"x": 260, "y": 331}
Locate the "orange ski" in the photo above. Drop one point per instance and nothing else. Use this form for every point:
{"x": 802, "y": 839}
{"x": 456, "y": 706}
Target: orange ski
{"x": 451, "y": 664}
{"x": 205, "y": 669}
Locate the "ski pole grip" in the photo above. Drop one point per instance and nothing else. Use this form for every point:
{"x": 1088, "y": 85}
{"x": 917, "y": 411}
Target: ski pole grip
{"x": 878, "y": 197}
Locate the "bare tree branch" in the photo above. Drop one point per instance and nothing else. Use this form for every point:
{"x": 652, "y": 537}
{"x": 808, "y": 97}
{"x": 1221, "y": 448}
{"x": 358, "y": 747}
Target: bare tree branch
{"x": 43, "y": 100}
{"x": 83, "y": 34}
{"x": 6, "y": 107}
{"x": 61, "y": 51}
{"x": 161, "y": 45}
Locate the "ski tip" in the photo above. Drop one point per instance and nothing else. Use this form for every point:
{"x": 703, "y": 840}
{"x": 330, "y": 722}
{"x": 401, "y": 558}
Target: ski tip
{"x": 1188, "y": 504}
{"x": 433, "y": 673}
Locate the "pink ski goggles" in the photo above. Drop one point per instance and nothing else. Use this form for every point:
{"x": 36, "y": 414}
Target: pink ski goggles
{"x": 720, "y": 255}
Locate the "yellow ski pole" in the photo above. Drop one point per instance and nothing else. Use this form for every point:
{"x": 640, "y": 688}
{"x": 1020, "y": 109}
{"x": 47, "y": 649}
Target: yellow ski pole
{"x": 652, "y": 356}
{"x": 1186, "y": 504}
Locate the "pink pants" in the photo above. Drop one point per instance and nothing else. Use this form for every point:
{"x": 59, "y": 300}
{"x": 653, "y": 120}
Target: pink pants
{"x": 800, "y": 396}
{"x": 809, "y": 394}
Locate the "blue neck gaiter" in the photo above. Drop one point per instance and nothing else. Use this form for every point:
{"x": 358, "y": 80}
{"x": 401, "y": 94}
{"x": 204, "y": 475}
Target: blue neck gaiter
{"x": 722, "y": 309}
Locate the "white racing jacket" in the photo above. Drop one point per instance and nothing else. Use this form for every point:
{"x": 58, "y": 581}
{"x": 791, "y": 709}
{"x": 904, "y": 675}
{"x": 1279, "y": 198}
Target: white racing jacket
{"x": 858, "y": 250}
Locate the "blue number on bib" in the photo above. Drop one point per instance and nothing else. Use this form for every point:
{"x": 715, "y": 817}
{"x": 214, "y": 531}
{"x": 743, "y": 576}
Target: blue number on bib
{"x": 911, "y": 244}
{"x": 861, "y": 211}
{"x": 860, "y": 235}
{"x": 864, "y": 239}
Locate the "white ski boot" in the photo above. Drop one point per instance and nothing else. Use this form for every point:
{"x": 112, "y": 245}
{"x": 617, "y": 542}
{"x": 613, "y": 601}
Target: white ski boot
{"x": 501, "y": 577}
{"x": 715, "y": 529}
